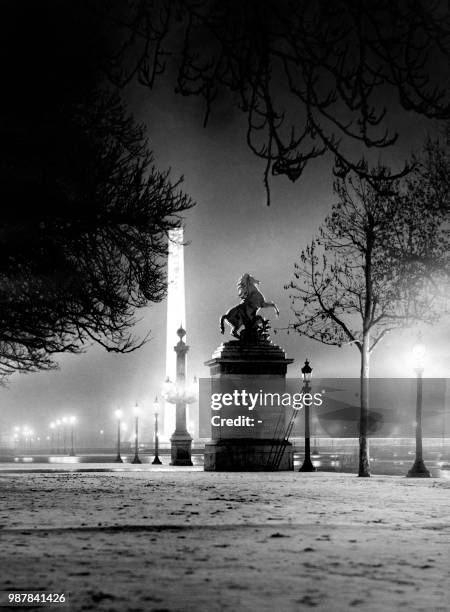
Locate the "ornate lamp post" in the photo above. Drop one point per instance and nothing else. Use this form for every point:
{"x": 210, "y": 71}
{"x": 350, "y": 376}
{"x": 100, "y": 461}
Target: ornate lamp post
{"x": 58, "y": 436}
{"x": 156, "y": 460}
{"x": 118, "y": 415}
{"x": 28, "y": 434}
{"x": 307, "y": 463}
{"x": 64, "y": 421}
{"x": 52, "y": 437}
{"x": 72, "y": 421}
{"x": 419, "y": 470}
{"x": 24, "y": 434}
{"x": 26, "y": 439}
{"x": 136, "y": 411}
{"x": 179, "y": 395}
{"x": 16, "y": 438}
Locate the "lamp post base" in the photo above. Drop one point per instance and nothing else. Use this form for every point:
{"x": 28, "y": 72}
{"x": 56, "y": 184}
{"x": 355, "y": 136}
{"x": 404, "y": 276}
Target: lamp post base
{"x": 118, "y": 459}
{"x": 418, "y": 470}
{"x": 181, "y": 449}
{"x": 136, "y": 459}
{"x": 307, "y": 466}
{"x": 156, "y": 461}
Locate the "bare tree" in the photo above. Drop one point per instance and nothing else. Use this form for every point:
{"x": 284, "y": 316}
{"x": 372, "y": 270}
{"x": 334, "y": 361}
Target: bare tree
{"x": 311, "y": 76}
{"x": 376, "y": 265}
{"x": 85, "y": 213}
{"x": 92, "y": 250}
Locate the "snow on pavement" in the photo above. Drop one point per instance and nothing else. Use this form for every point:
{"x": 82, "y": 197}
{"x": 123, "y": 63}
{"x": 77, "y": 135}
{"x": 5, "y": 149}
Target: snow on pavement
{"x": 189, "y": 540}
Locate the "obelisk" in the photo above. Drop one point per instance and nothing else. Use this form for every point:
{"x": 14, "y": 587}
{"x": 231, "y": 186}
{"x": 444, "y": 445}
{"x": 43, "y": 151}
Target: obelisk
{"x": 176, "y": 315}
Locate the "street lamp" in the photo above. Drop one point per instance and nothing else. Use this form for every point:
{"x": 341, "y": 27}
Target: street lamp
{"x": 58, "y": 436}
{"x": 64, "y": 421}
{"x": 16, "y": 438}
{"x": 156, "y": 460}
{"x": 177, "y": 393}
{"x": 306, "y": 375}
{"x": 27, "y": 438}
{"x": 28, "y": 433}
{"x": 52, "y": 437}
{"x": 118, "y": 415}
{"x": 419, "y": 470}
{"x": 136, "y": 411}
{"x": 72, "y": 421}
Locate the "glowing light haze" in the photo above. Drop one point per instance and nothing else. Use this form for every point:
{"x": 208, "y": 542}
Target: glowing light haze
{"x": 229, "y": 232}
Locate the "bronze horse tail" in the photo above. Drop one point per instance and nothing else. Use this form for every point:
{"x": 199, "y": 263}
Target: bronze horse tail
{"x": 222, "y": 326}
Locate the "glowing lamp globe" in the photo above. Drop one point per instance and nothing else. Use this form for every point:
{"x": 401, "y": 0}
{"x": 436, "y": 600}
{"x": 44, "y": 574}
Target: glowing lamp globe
{"x": 419, "y": 354}
{"x": 156, "y": 406}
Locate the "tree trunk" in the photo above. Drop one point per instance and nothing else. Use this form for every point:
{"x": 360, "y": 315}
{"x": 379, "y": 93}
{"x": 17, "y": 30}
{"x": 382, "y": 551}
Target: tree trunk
{"x": 364, "y": 464}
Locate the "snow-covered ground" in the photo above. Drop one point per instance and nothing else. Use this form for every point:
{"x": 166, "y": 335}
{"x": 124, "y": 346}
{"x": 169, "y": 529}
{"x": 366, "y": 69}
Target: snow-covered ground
{"x": 184, "y": 540}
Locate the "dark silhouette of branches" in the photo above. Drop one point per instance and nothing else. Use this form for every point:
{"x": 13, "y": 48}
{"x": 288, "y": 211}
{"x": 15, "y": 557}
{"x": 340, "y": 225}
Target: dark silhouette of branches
{"x": 85, "y": 213}
{"x": 92, "y": 248}
{"x": 380, "y": 262}
{"x": 311, "y": 76}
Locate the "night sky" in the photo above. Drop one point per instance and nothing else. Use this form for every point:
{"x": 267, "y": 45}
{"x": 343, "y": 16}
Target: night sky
{"x": 230, "y": 231}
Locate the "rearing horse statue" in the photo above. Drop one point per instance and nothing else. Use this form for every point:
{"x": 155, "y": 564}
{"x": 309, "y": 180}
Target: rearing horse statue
{"x": 245, "y": 313}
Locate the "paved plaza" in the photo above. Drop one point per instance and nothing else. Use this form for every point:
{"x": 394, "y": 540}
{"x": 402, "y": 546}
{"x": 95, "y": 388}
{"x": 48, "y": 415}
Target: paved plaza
{"x": 181, "y": 540}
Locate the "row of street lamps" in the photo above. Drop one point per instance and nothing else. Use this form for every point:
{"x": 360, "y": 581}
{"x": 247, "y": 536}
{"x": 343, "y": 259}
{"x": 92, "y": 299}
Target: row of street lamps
{"x": 178, "y": 393}
{"x": 181, "y": 394}
{"x": 137, "y": 411}
{"x": 24, "y": 433}
{"x": 60, "y": 427}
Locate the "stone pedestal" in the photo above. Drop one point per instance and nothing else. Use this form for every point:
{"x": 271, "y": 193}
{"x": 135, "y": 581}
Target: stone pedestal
{"x": 181, "y": 440}
{"x": 253, "y": 366}
{"x": 181, "y": 448}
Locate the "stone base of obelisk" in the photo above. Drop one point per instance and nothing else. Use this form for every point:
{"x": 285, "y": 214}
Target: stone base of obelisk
{"x": 251, "y": 364}
{"x": 248, "y": 455}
